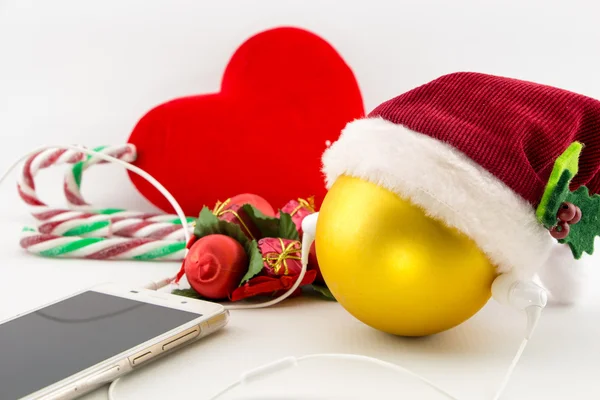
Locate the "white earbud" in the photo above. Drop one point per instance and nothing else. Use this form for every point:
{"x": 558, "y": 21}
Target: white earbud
{"x": 309, "y": 224}
{"x": 522, "y": 295}
{"x": 309, "y": 231}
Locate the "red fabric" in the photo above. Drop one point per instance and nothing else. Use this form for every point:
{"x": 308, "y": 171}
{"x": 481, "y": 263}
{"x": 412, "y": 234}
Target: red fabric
{"x": 284, "y": 93}
{"x": 514, "y": 129}
{"x": 267, "y": 285}
{"x": 281, "y": 268}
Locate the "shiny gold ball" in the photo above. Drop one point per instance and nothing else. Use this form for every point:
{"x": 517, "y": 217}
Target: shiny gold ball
{"x": 394, "y": 268}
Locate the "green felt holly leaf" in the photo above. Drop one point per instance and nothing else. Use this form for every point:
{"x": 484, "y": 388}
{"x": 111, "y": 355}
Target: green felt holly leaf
{"x": 559, "y": 196}
{"x": 557, "y": 188}
{"x": 191, "y": 293}
{"x": 582, "y": 234}
{"x": 324, "y": 291}
{"x": 208, "y": 224}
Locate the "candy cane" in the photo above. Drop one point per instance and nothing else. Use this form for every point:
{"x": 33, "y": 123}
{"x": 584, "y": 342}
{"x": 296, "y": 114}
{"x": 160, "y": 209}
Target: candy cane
{"x": 73, "y": 178}
{"x": 48, "y": 158}
{"x": 93, "y": 226}
{"x": 136, "y": 228}
{"x": 72, "y": 183}
{"x": 141, "y": 249}
{"x": 88, "y": 233}
{"x": 38, "y": 161}
{"x": 99, "y": 225}
{"x": 55, "y": 157}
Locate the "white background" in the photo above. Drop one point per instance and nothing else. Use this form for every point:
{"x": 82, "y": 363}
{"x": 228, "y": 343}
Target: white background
{"x": 85, "y": 72}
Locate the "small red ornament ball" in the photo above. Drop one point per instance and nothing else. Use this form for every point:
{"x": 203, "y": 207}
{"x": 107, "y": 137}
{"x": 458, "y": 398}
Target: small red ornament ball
{"x": 215, "y": 265}
{"x": 258, "y": 202}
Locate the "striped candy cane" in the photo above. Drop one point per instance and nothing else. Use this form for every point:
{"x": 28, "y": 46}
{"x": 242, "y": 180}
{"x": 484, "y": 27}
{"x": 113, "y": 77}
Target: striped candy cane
{"x": 95, "y": 234}
{"x": 93, "y": 248}
{"x": 73, "y": 178}
{"x": 53, "y": 157}
{"x": 101, "y": 225}
{"x": 72, "y": 183}
{"x": 35, "y": 163}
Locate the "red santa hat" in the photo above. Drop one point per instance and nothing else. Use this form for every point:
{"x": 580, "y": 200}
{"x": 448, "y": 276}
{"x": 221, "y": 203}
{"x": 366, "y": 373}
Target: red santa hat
{"x": 477, "y": 152}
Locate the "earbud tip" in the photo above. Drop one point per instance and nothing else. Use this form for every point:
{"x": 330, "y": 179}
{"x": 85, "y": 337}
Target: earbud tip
{"x": 309, "y": 224}
{"x": 519, "y": 294}
{"x": 501, "y": 288}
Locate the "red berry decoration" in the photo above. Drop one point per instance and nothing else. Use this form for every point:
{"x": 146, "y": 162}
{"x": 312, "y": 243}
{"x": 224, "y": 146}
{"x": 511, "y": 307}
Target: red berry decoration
{"x": 577, "y": 216}
{"x": 560, "y": 231}
{"x": 567, "y": 212}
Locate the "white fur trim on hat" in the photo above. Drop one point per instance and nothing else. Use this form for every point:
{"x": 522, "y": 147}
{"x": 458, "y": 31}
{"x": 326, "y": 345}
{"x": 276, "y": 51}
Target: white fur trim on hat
{"x": 448, "y": 185}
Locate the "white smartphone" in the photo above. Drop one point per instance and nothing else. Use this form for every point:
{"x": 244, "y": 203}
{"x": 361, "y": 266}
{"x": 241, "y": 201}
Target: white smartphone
{"x": 63, "y": 350}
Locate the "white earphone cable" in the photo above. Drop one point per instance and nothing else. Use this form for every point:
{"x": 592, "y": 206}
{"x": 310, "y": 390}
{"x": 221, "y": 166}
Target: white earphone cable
{"x": 112, "y": 388}
{"x": 385, "y": 364}
{"x": 511, "y": 369}
{"x": 292, "y": 362}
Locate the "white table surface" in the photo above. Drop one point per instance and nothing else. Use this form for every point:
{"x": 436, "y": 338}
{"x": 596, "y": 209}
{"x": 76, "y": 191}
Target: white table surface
{"x": 562, "y": 361}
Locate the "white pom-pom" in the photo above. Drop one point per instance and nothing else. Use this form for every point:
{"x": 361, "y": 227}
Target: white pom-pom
{"x": 563, "y": 276}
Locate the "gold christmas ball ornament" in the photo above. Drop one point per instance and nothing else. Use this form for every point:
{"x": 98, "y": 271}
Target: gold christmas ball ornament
{"x": 393, "y": 267}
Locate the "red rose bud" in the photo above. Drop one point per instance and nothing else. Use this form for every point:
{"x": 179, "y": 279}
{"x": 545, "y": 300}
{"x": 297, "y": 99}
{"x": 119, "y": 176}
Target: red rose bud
{"x": 234, "y": 213}
{"x": 298, "y": 209}
{"x": 215, "y": 265}
{"x": 257, "y": 202}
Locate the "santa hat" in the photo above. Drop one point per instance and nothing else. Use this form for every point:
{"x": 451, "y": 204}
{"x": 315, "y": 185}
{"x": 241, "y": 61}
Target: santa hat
{"x": 477, "y": 152}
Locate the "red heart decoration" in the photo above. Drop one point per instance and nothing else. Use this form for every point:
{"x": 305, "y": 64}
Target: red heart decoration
{"x": 285, "y": 93}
